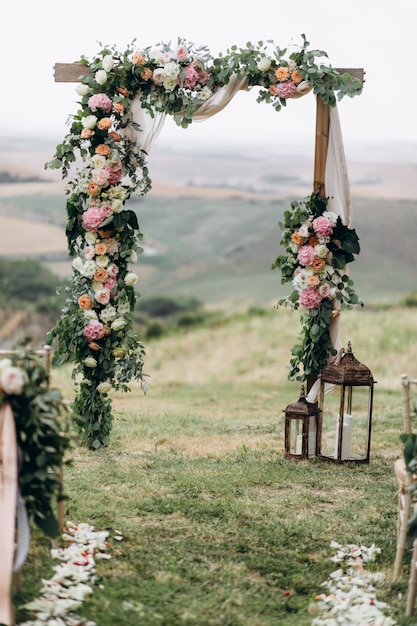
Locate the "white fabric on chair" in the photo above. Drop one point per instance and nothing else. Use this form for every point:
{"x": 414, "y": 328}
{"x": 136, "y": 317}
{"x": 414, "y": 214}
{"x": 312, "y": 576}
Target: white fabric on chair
{"x": 8, "y": 494}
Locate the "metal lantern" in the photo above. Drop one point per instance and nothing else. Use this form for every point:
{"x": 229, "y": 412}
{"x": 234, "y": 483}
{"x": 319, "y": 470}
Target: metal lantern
{"x": 301, "y": 419}
{"x": 345, "y": 403}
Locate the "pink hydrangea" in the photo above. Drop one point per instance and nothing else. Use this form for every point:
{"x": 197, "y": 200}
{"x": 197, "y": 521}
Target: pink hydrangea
{"x": 306, "y": 255}
{"x": 285, "y": 90}
{"x": 93, "y": 217}
{"x": 323, "y": 227}
{"x": 93, "y": 330}
{"x": 100, "y": 101}
{"x": 310, "y": 298}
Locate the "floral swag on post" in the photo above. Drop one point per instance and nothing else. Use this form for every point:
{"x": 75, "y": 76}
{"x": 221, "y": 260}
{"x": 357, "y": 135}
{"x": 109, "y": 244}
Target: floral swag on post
{"x": 95, "y": 328}
{"x": 318, "y": 248}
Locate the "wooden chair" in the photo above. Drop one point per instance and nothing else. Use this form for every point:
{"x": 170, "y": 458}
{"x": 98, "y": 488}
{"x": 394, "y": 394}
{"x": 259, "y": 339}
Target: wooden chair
{"x": 406, "y": 493}
{"x": 45, "y": 358}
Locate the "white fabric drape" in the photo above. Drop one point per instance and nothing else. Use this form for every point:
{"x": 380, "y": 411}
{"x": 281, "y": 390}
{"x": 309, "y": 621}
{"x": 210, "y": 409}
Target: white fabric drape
{"x": 8, "y": 496}
{"x": 151, "y": 127}
{"x": 337, "y": 187}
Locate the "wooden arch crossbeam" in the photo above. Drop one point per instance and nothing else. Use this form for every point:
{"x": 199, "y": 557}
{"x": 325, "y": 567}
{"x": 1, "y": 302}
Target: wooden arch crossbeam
{"x": 70, "y": 73}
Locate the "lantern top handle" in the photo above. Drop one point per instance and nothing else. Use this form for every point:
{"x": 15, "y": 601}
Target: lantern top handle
{"x": 347, "y": 370}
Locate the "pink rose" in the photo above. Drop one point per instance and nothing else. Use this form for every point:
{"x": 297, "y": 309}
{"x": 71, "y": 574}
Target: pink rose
{"x": 101, "y": 176}
{"x": 324, "y": 290}
{"x": 100, "y": 101}
{"x": 310, "y": 298}
{"x": 93, "y": 330}
{"x": 89, "y": 252}
{"x": 110, "y": 284}
{"x": 306, "y": 255}
{"x": 191, "y": 77}
{"x": 323, "y": 227}
{"x": 181, "y": 54}
{"x": 112, "y": 270}
{"x": 12, "y": 380}
{"x": 102, "y": 295}
{"x": 285, "y": 90}
{"x": 115, "y": 172}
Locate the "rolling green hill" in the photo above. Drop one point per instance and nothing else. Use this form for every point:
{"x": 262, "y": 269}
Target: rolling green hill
{"x": 221, "y": 250}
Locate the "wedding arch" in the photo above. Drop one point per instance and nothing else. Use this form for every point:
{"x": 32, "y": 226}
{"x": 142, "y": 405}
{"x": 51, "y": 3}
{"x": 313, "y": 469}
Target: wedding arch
{"x": 124, "y": 100}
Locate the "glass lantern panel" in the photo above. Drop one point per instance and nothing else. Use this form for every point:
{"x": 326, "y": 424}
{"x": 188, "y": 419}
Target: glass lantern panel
{"x": 296, "y": 436}
{"x": 355, "y": 423}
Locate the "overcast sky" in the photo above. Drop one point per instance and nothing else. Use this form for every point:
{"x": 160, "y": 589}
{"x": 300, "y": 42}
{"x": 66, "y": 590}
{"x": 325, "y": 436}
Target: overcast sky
{"x": 378, "y": 35}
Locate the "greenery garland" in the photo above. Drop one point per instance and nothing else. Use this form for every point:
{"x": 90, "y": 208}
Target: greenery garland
{"x": 95, "y": 328}
{"x": 40, "y": 432}
{"x": 318, "y": 247}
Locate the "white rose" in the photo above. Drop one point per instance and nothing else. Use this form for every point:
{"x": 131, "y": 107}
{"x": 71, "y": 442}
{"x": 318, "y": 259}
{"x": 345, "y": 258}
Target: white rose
{"x": 117, "y": 206}
{"x": 104, "y": 387}
{"x": 156, "y": 56}
{"x": 82, "y": 90}
{"x": 131, "y": 279}
{"x": 102, "y": 260}
{"x": 89, "y": 314}
{"x": 90, "y": 361}
{"x": 12, "y": 380}
{"x": 90, "y": 238}
{"x": 89, "y": 121}
{"x": 4, "y": 363}
{"x": 107, "y": 62}
{"x": 77, "y": 264}
{"x": 321, "y": 250}
{"x": 118, "y": 324}
{"x": 264, "y": 64}
{"x": 158, "y": 76}
{"x": 98, "y": 161}
{"x": 170, "y": 82}
{"x": 100, "y": 77}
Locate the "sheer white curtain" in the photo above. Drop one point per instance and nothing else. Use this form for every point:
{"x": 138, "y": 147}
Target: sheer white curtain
{"x": 151, "y": 127}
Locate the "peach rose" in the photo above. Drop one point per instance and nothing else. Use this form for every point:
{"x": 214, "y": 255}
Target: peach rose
{"x": 101, "y": 275}
{"x": 93, "y": 189}
{"x": 318, "y": 264}
{"x": 313, "y": 241}
{"x": 86, "y": 133}
{"x": 115, "y": 136}
{"x": 313, "y": 281}
{"x": 118, "y": 108}
{"x": 105, "y": 234}
{"x": 103, "y": 149}
{"x": 105, "y": 123}
{"x": 296, "y": 77}
{"x": 282, "y": 73}
{"x": 138, "y": 58}
{"x": 85, "y": 302}
{"x": 123, "y": 91}
{"x": 146, "y": 73}
{"x": 94, "y": 346}
{"x": 296, "y": 238}
{"x": 100, "y": 248}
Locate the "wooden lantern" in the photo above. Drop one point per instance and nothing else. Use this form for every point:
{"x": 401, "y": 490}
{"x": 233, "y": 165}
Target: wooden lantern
{"x": 345, "y": 403}
{"x": 301, "y": 420}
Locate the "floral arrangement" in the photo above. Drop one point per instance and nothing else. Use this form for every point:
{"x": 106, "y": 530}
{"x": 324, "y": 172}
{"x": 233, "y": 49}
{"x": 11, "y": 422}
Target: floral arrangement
{"x": 74, "y": 578}
{"x": 41, "y": 439}
{"x": 318, "y": 247}
{"x": 95, "y": 328}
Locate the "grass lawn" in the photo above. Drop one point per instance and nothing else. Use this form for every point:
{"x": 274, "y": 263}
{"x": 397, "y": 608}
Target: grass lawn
{"x": 218, "y": 527}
